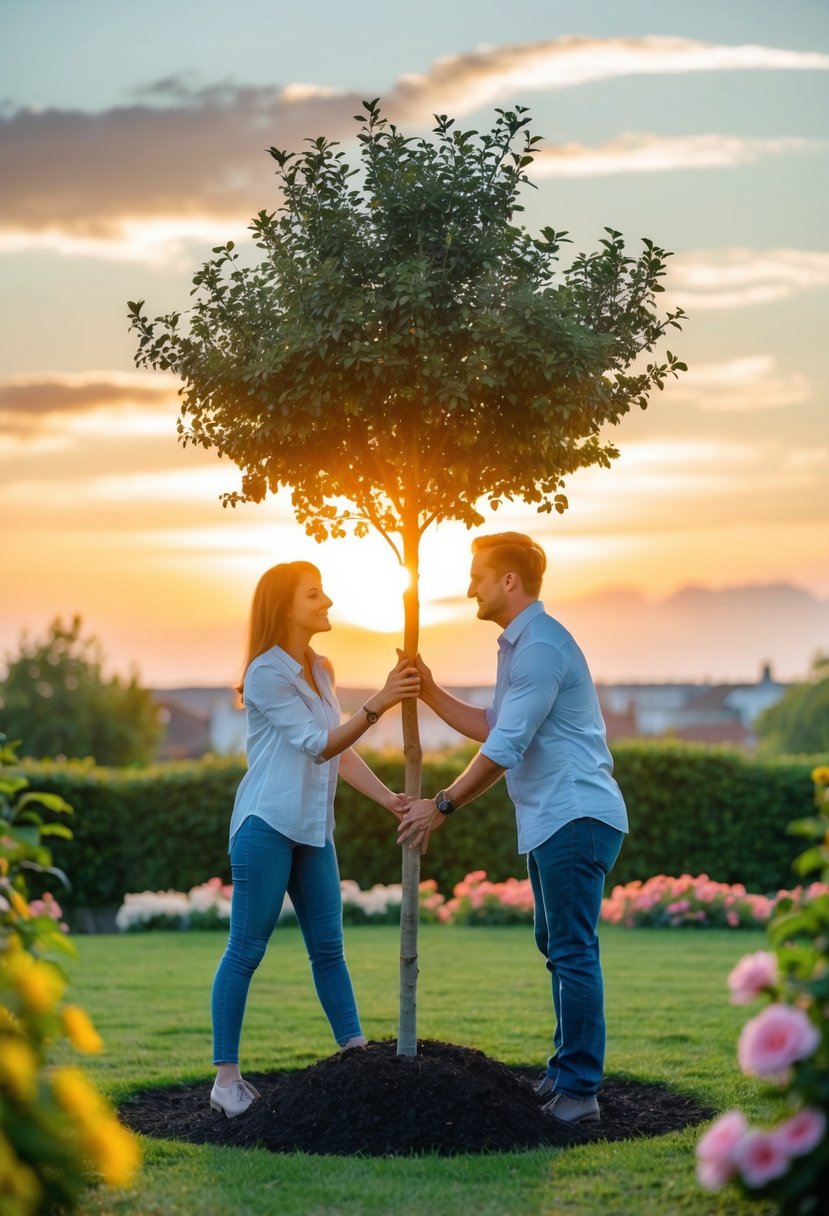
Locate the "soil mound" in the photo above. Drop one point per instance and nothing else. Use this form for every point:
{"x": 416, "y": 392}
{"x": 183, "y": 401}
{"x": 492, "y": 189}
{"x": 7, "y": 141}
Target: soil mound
{"x": 372, "y": 1102}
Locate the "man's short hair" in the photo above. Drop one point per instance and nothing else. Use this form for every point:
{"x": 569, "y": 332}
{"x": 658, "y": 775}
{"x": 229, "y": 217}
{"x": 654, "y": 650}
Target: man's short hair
{"x": 514, "y": 552}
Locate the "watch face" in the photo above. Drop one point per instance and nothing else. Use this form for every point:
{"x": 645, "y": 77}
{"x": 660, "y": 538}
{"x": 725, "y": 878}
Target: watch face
{"x": 372, "y": 716}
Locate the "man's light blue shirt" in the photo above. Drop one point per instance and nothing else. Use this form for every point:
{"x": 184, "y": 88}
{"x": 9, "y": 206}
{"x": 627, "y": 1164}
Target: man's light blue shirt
{"x": 547, "y": 731}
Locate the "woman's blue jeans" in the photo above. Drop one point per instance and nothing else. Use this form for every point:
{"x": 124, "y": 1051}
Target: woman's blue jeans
{"x": 567, "y": 873}
{"x": 265, "y": 864}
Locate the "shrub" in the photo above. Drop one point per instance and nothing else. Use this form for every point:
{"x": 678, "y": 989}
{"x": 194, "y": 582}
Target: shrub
{"x": 55, "y": 1128}
{"x": 786, "y": 1043}
{"x": 709, "y": 810}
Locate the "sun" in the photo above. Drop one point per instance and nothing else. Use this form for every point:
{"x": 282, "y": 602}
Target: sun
{"x": 366, "y": 587}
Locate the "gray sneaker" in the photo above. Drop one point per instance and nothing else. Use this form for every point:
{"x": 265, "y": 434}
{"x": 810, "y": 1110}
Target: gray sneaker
{"x": 544, "y": 1087}
{"x": 573, "y": 1110}
{"x": 233, "y": 1099}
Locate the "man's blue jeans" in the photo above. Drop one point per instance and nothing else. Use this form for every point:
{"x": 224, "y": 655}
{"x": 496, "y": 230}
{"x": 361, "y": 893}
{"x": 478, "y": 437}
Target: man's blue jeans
{"x": 265, "y": 864}
{"x": 567, "y": 874}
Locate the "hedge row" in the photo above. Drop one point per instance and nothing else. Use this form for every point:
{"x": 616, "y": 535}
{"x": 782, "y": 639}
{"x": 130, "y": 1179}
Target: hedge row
{"x": 692, "y": 809}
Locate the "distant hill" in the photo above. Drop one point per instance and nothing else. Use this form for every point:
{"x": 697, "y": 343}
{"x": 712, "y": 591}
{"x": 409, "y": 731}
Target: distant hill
{"x": 696, "y": 634}
{"x": 699, "y": 633}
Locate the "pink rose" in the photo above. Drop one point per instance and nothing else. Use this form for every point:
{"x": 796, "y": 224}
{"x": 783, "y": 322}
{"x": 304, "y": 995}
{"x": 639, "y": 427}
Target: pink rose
{"x": 760, "y": 1159}
{"x": 752, "y": 975}
{"x": 773, "y": 1040}
{"x": 717, "y": 1150}
{"x": 803, "y": 1132}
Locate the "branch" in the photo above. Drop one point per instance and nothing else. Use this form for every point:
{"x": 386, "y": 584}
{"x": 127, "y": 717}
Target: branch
{"x": 373, "y": 519}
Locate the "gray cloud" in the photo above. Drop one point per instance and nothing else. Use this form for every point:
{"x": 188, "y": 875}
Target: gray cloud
{"x": 26, "y": 402}
{"x": 193, "y": 153}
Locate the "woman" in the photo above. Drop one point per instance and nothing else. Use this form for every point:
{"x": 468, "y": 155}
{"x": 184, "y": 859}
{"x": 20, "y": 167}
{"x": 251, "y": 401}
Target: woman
{"x": 281, "y": 832}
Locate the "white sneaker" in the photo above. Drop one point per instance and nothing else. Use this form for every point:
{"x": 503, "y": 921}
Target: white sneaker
{"x": 233, "y": 1099}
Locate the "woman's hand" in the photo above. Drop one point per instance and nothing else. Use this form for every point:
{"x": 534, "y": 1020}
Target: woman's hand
{"x": 402, "y": 682}
{"x": 398, "y": 804}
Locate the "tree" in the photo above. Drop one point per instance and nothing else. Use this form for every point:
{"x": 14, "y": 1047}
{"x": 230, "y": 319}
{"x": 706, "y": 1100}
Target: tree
{"x": 57, "y": 701}
{"x": 799, "y": 721}
{"x": 402, "y": 350}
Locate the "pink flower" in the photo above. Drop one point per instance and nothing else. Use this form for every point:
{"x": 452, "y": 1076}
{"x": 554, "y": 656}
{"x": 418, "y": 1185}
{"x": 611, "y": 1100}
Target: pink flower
{"x": 760, "y": 1159}
{"x": 774, "y": 1039}
{"x": 752, "y": 975}
{"x": 803, "y": 1132}
{"x": 717, "y": 1150}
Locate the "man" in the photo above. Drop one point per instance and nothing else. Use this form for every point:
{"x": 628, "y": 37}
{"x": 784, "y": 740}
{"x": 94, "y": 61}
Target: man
{"x": 545, "y": 730}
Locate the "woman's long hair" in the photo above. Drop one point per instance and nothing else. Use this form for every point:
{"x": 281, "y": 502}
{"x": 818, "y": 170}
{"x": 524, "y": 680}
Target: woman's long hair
{"x": 269, "y": 611}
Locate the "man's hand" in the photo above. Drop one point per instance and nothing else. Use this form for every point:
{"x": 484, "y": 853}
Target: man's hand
{"x": 427, "y": 680}
{"x": 417, "y": 825}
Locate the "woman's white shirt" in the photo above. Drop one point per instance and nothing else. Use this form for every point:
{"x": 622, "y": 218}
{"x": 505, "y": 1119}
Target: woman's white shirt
{"x": 288, "y": 783}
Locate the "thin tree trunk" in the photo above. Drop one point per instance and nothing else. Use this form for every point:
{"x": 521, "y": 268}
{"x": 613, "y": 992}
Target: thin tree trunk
{"x": 410, "y": 906}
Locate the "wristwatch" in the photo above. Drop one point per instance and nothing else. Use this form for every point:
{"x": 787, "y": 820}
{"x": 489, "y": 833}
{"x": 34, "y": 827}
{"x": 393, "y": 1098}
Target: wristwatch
{"x": 371, "y": 715}
{"x": 445, "y": 805}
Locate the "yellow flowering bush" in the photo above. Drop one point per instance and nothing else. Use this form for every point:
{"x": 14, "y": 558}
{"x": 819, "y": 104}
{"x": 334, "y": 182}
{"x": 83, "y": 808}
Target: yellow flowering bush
{"x": 56, "y": 1131}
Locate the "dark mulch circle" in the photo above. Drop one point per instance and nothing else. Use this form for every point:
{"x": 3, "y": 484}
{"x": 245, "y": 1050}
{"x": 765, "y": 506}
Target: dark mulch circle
{"x": 446, "y": 1100}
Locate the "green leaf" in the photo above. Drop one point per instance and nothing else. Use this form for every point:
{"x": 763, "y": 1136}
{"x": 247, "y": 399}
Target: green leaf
{"x": 57, "y": 829}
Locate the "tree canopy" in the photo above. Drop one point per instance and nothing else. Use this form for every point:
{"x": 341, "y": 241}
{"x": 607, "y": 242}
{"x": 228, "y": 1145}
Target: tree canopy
{"x": 56, "y": 699}
{"x": 403, "y": 348}
{"x": 799, "y": 721}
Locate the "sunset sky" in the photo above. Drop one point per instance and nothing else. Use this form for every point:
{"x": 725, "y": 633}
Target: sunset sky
{"x": 131, "y": 141}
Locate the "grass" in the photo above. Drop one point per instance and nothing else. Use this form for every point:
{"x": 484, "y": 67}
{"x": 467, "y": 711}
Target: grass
{"x": 669, "y": 1020}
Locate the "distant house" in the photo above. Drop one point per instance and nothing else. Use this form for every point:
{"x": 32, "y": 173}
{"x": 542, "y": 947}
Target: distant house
{"x": 620, "y": 724}
{"x": 185, "y": 734}
{"x": 199, "y": 720}
{"x": 726, "y": 713}
{"x": 732, "y": 732}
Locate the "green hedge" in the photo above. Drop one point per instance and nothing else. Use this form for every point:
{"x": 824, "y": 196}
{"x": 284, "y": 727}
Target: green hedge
{"x": 692, "y": 810}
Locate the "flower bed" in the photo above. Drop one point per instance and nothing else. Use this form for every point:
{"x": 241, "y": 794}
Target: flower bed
{"x": 662, "y": 901}
{"x": 208, "y": 907}
{"x": 672, "y": 902}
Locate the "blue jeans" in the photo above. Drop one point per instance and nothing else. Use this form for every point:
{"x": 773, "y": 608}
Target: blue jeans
{"x": 567, "y": 874}
{"x": 265, "y": 864}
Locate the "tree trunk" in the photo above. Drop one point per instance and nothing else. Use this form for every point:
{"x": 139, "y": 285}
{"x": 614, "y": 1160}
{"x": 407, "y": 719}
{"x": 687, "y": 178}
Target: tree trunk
{"x": 410, "y": 906}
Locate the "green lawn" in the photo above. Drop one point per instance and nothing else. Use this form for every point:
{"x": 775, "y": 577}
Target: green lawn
{"x": 668, "y": 1019}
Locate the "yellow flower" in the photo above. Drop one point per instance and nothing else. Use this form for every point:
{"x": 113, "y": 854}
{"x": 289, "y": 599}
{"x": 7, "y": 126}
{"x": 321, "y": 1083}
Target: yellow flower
{"x": 820, "y": 775}
{"x": 40, "y": 984}
{"x": 4, "y": 866}
{"x": 8, "y": 1022}
{"x": 20, "y": 1189}
{"x": 18, "y": 1068}
{"x": 114, "y": 1151}
{"x": 19, "y": 904}
{"x": 78, "y": 1097}
{"x": 79, "y": 1030}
